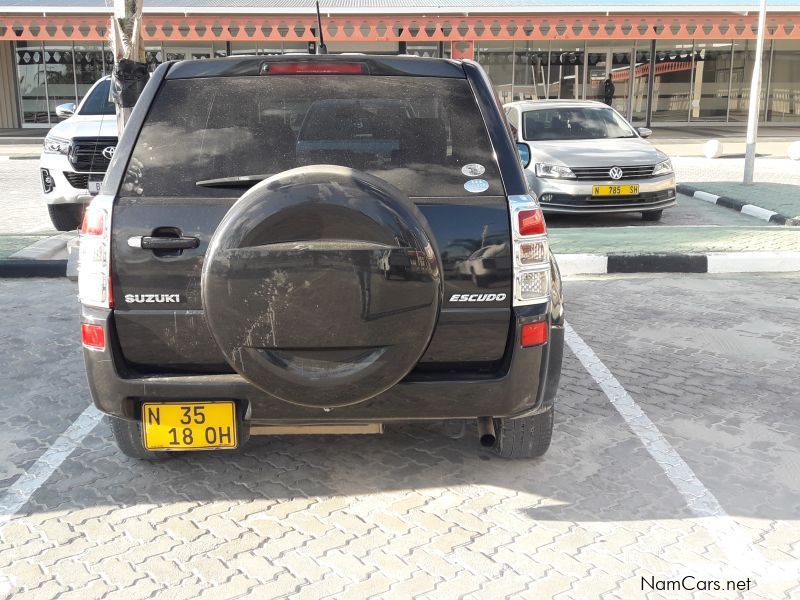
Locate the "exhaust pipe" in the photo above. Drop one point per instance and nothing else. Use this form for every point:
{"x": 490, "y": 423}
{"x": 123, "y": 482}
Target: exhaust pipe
{"x": 486, "y": 431}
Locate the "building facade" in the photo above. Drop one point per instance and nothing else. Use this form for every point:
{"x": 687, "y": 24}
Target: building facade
{"x": 673, "y": 62}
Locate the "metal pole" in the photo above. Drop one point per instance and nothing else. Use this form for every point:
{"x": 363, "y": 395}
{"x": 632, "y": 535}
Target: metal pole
{"x": 755, "y": 97}
{"x": 651, "y": 77}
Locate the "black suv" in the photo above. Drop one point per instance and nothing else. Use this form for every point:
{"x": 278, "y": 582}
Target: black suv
{"x": 280, "y": 246}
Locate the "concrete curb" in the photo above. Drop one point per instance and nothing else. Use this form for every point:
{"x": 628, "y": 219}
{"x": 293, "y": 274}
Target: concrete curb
{"x": 17, "y": 268}
{"x": 738, "y": 205}
{"x": 712, "y": 262}
{"x": 47, "y": 248}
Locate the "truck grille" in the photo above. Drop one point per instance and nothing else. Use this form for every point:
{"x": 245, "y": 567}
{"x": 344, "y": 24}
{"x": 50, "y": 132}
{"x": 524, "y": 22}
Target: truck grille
{"x": 87, "y": 154}
{"x": 79, "y": 181}
{"x": 630, "y": 172}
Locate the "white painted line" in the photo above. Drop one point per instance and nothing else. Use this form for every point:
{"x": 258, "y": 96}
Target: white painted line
{"x": 700, "y": 195}
{"x": 758, "y": 212}
{"x": 726, "y": 532}
{"x": 753, "y": 262}
{"x": 582, "y": 264}
{"x": 31, "y": 480}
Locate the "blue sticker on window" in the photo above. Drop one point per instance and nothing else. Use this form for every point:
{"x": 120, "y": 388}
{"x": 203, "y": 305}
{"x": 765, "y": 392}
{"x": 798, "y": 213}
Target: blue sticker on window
{"x": 476, "y": 185}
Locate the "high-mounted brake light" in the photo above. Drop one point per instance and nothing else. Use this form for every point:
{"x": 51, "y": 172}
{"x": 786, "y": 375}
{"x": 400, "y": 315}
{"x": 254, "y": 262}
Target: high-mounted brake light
{"x": 314, "y": 68}
{"x": 531, "y": 252}
{"x": 94, "y": 259}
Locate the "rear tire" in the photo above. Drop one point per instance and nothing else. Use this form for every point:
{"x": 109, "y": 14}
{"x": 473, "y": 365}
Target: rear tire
{"x": 526, "y": 437}
{"x": 66, "y": 217}
{"x": 652, "y": 215}
{"x": 128, "y": 435}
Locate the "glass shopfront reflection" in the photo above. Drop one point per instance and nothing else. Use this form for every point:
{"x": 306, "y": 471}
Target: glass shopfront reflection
{"x": 567, "y": 70}
{"x": 672, "y": 85}
{"x": 32, "y": 84}
{"x": 784, "y": 82}
{"x": 612, "y": 61}
{"x": 742, "y": 74}
{"x": 694, "y": 80}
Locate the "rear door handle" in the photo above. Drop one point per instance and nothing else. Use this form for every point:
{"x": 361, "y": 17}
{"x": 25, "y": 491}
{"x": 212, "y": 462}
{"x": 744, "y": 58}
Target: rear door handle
{"x": 147, "y": 242}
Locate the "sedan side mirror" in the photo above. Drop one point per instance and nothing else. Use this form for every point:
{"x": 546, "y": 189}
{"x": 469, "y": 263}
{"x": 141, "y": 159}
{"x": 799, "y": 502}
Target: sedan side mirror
{"x": 524, "y": 152}
{"x": 65, "y": 110}
{"x": 645, "y": 132}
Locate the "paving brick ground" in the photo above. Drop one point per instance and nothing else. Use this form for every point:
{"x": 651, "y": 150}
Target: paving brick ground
{"x": 22, "y": 210}
{"x": 413, "y": 512}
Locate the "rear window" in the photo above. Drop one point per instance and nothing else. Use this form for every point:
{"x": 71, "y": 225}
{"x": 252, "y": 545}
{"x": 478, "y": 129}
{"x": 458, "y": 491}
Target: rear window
{"x": 416, "y": 133}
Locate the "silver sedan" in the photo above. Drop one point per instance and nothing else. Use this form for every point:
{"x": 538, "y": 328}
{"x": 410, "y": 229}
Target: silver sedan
{"x": 584, "y": 157}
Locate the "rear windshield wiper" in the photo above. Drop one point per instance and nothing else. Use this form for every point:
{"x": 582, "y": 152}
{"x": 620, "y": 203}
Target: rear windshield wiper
{"x": 237, "y": 181}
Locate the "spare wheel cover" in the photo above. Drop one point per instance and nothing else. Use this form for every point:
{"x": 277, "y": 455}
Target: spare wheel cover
{"x": 322, "y": 285}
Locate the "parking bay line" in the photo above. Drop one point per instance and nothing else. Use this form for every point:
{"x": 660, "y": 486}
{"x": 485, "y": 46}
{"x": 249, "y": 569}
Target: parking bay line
{"x": 741, "y": 555}
{"x": 33, "y": 478}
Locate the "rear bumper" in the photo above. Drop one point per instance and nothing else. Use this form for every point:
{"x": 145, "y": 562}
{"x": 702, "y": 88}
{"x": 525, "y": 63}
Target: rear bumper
{"x": 526, "y": 384}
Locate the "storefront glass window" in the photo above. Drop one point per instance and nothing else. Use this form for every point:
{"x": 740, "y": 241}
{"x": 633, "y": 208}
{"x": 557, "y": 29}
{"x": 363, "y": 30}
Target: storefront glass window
{"x": 153, "y": 56}
{"x": 672, "y": 86}
{"x": 530, "y": 70}
{"x": 497, "y": 59}
{"x": 31, "y": 83}
{"x": 640, "y": 77}
{"x": 610, "y": 60}
{"x": 712, "y": 80}
{"x": 60, "y": 76}
{"x": 188, "y": 51}
{"x": 566, "y": 72}
{"x": 89, "y": 66}
{"x": 784, "y": 85}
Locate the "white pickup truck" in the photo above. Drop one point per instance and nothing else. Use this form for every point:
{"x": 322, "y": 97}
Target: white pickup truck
{"x": 76, "y": 154}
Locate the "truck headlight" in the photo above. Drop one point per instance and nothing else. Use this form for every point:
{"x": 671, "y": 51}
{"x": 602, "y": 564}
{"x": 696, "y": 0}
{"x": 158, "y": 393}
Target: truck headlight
{"x": 55, "y": 145}
{"x": 554, "y": 171}
{"x": 663, "y": 168}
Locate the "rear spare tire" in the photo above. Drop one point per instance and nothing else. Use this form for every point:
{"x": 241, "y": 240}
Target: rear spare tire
{"x": 294, "y": 294}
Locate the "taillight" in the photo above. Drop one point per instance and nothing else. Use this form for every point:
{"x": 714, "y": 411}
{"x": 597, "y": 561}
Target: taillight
{"x": 531, "y": 222}
{"x": 531, "y": 252}
{"x": 94, "y": 259}
{"x": 93, "y": 336}
{"x": 314, "y": 68}
{"x": 534, "y": 334}
{"x": 93, "y": 222}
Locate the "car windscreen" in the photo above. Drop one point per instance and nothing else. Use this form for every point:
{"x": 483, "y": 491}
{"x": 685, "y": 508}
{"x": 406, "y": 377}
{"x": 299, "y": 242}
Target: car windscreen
{"x": 97, "y": 102}
{"x": 415, "y": 132}
{"x": 574, "y": 123}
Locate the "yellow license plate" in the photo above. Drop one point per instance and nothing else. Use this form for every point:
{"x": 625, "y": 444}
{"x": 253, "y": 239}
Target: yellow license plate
{"x": 615, "y": 190}
{"x": 189, "y": 425}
